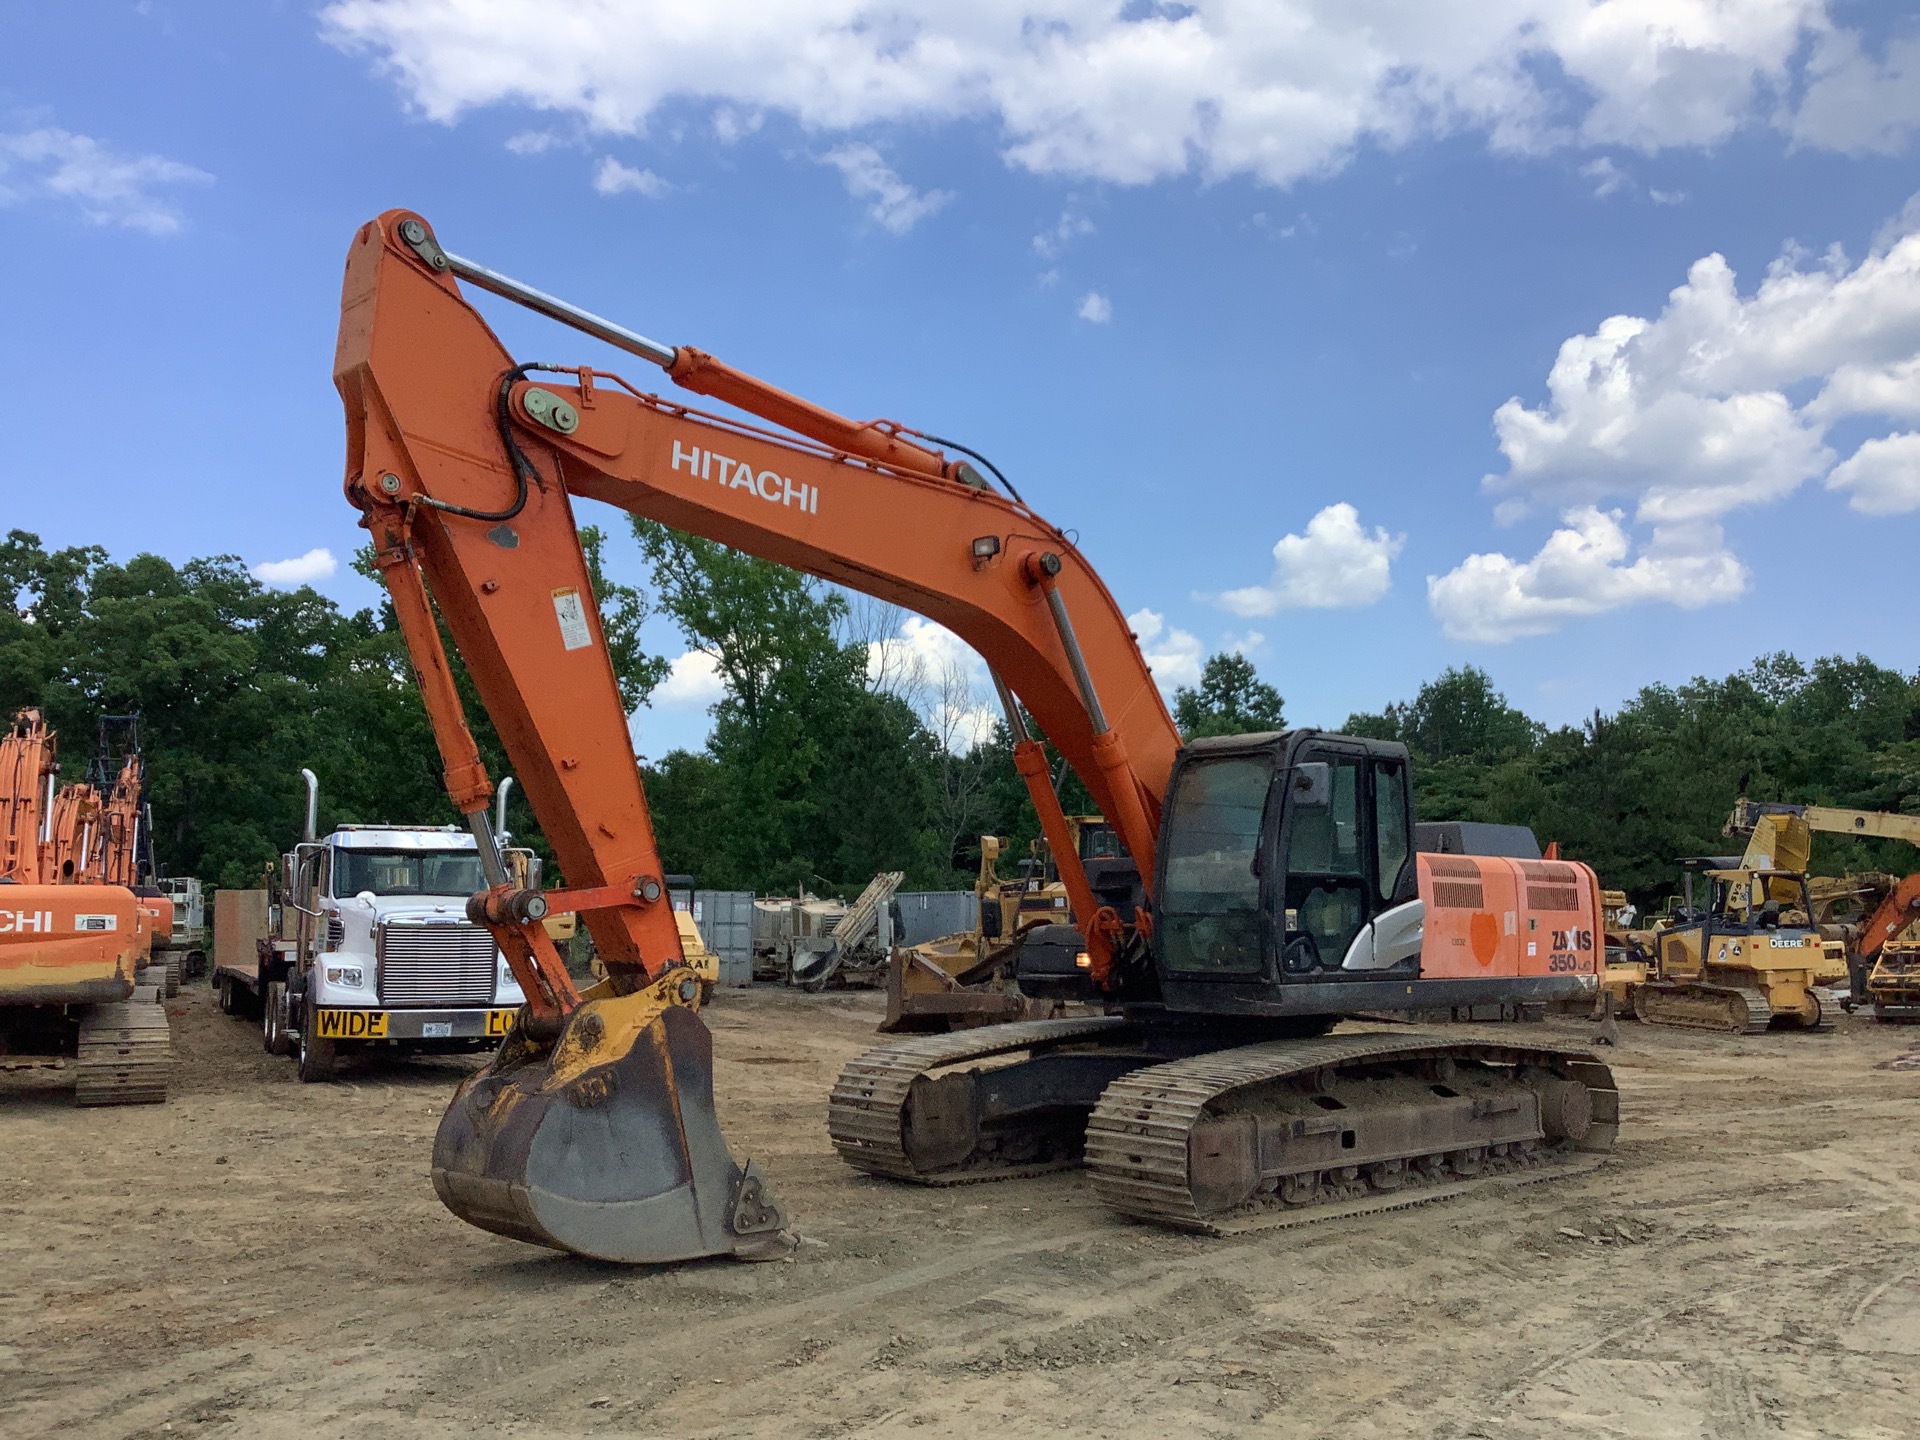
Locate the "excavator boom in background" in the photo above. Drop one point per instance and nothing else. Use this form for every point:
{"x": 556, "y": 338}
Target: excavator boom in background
{"x": 73, "y": 939}
{"x": 1265, "y": 885}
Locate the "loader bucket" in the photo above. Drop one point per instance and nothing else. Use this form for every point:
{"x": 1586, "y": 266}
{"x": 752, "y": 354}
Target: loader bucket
{"x": 606, "y": 1146}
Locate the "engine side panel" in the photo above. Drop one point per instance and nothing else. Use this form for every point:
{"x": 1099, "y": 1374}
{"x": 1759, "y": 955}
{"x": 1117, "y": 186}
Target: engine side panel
{"x": 1493, "y": 917}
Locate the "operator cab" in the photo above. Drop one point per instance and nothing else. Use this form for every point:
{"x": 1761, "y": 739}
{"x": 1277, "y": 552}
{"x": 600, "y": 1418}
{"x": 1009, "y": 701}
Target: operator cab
{"x": 1276, "y": 852}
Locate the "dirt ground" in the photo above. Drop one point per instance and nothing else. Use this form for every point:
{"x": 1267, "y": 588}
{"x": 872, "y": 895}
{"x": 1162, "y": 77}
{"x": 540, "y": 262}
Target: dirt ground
{"x": 262, "y": 1258}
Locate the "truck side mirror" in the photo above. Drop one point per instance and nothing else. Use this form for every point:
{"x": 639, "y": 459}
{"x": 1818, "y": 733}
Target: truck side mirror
{"x": 1312, "y": 784}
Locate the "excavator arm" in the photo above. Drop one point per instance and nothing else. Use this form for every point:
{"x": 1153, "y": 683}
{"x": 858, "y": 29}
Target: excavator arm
{"x": 1777, "y": 827}
{"x": 464, "y": 464}
{"x": 27, "y": 768}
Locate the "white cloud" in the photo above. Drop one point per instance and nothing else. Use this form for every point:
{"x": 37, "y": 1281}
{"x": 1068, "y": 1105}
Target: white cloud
{"x": 613, "y": 178}
{"x": 1336, "y": 563}
{"x": 1693, "y": 415}
{"x": 1095, "y": 308}
{"x": 532, "y": 142}
{"x": 692, "y": 680}
{"x": 897, "y": 206}
{"x": 1882, "y": 477}
{"x": 1858, "y": 103}
{"x": 1581, "y": 570}
{"x": 1174, "y": 655}
{"x": 1892, "y": 390}
{"x": 110, "y": 188}
{"x": 1607, "y": 177}
{"x": 1279, "y": 90}
{"x": 1057, "y": 237}
{"x": 920, "y": 646}
{"x": 317, "y": 564}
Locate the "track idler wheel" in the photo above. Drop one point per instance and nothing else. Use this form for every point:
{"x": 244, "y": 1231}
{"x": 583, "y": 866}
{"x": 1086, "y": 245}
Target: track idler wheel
{"x": 1566, "y": 1107}
{"x": 608, "y": 1144}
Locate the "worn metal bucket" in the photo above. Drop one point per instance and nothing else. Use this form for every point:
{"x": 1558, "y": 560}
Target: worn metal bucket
{"x": 607, "y": 1145}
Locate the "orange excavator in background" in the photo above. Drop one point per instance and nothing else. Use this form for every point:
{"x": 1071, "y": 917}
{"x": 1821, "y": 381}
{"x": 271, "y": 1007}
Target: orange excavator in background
{"x": 1269, "y": 885}
{"x": 72, "y": 944}
{"x": 122, "y": 849}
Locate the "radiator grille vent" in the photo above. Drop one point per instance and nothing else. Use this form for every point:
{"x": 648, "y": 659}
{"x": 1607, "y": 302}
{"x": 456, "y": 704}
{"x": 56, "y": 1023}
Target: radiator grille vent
{"x": 1456, "y": 896}
{"x": 1552, "y": 897}
{"x": 1548, "y": 870}
{"x": 1460, "y": 869}
{"x": 438, "y": 966}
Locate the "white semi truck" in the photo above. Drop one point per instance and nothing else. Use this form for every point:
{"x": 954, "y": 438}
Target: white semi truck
{"x": 369, "y": 945}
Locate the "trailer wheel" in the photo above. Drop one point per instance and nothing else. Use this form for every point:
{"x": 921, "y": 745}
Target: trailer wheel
{"x": 273, "y": 1019}
{"x": 229, "y": 1002}
{"x": 317, "y": 1057}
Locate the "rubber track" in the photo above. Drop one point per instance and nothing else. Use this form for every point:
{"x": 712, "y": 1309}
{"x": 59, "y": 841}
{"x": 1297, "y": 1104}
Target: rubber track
{"x": 864, "y": 1113}
{"x": 1759, "y": 1012}
{"x": 126, "y": 1054}
{"x": 1137, "y": 1137}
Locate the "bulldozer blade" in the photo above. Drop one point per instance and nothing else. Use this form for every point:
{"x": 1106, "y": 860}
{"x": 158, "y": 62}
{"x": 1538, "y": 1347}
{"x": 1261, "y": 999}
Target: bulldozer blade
{"x": 621, "y": 1159}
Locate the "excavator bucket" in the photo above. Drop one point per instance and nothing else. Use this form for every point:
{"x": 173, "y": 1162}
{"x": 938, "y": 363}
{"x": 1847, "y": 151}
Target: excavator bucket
{"x": 606, "y": 1146}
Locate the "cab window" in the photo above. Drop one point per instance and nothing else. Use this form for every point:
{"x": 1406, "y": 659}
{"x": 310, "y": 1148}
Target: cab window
{"x": 1391, "y": 838}
{"x": 409, "y": 872}
{"x": 1209, "y": 908}
{"x": 1326, "y": 838}
{"x": 1327, "y": 900}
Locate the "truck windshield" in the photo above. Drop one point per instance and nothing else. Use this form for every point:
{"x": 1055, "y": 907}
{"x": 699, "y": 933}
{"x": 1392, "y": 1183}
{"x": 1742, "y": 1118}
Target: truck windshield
{"x": 407, "y": 872}
{"x": 1209, "y": 910}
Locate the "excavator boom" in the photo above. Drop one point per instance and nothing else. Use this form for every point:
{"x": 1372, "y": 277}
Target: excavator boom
{"x": 465, "y": 470}
{"x": 1789, "y": 828}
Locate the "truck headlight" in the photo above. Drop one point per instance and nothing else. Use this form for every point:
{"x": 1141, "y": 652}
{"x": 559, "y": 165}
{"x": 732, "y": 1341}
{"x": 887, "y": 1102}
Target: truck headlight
{"x": 351, "y": 975}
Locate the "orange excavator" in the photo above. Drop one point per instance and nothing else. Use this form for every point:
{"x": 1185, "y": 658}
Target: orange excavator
{"x": 72, "y": 941}
{"x": 1269, "y": 887}
{"x": 121, "y": 850}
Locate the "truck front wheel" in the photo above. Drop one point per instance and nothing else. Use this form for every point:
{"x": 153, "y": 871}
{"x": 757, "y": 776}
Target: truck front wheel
{"x": 317, "y": 1056}
{"x": 273, "y": 1019}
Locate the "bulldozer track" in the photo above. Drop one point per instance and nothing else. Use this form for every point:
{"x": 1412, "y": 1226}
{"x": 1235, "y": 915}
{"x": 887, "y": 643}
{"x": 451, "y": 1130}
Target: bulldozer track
{"x": 1138, "y": 1136}
{"x": 865, "y": 1110}
{"x": 1704, "y": 1007}
{"x": 126, "y": 1054}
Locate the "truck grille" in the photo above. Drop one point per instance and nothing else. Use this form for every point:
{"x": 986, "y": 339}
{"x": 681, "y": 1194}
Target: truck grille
{"x": 444, "y": 966}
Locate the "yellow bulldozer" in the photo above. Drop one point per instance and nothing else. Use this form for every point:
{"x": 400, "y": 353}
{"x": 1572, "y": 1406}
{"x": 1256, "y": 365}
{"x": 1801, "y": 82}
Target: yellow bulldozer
{"x": 966, "y": 978}
{"x": 1883, "y": 953}
{"x": 1747, "y": 957}
{"x": 1740, "y": 956}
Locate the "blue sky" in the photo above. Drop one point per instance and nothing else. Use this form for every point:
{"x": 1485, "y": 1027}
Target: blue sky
{"x": 1253, "y": 297}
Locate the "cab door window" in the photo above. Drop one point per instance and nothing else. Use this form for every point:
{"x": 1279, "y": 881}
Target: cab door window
{"x": 1392, "y": 833}
{"x": 1327, "y": 881}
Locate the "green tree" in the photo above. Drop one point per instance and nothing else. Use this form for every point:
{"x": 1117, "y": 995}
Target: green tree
{"x": 817, "y": 781}
{"x": 1230, "y": 700}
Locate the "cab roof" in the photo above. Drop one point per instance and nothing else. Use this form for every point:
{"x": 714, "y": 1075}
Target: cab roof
{"x": 401, "y": 837}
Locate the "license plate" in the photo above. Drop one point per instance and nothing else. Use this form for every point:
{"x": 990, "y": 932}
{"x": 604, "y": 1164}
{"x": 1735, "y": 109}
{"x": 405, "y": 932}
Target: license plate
{"x": 499, "y": 1022}
{"x": 436, "y": 1030}
{"x": 353, "y": 1024}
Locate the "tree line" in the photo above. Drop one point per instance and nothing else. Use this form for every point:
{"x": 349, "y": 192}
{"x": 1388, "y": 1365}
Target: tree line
{"x": 835, "y": 752}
